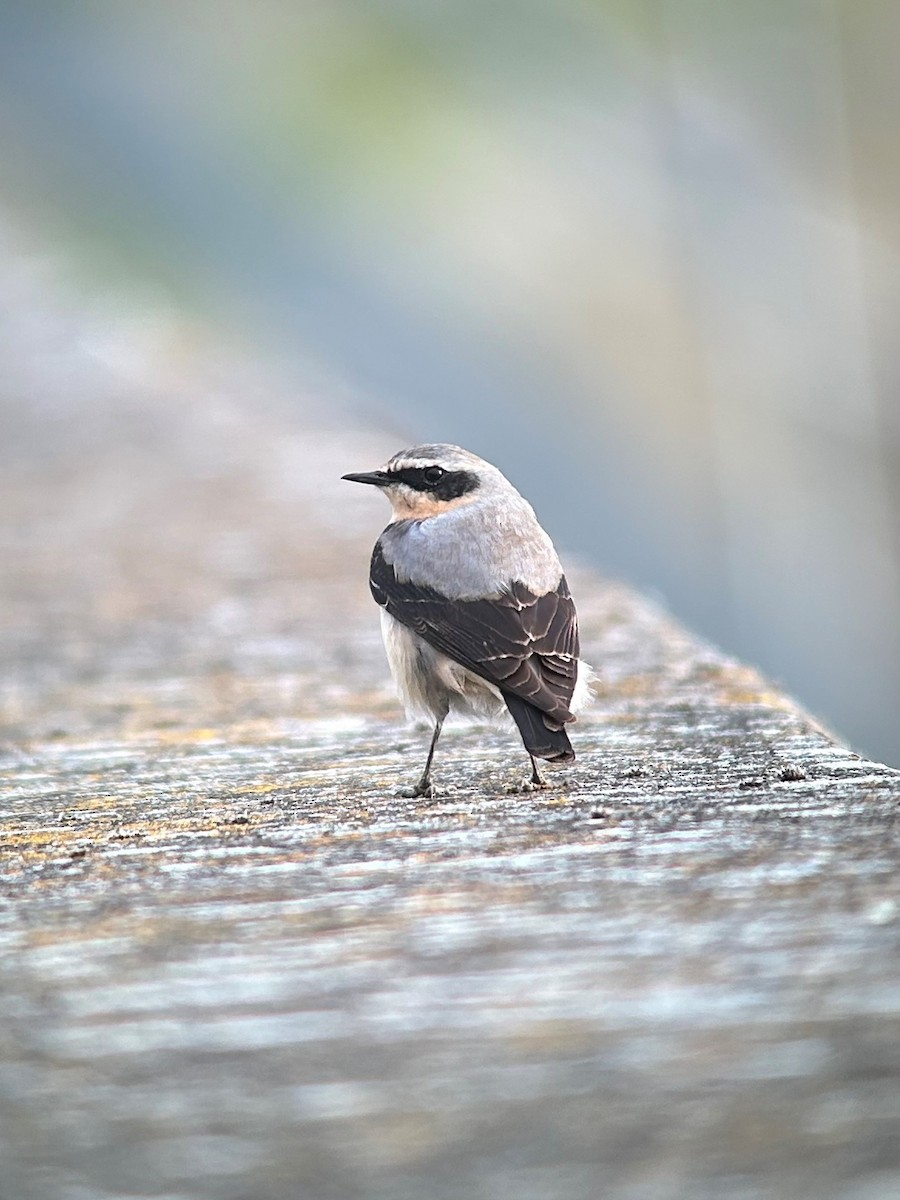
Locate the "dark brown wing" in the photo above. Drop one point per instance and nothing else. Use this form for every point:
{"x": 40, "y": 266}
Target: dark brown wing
{"x": 524, "y": 644}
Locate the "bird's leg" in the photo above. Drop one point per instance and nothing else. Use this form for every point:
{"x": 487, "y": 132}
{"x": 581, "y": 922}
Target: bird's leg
{"x": 537, "y": 779}
{"x": 424, "y": 786}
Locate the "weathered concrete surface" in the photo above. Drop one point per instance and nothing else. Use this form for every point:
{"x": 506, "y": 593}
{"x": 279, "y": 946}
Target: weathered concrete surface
{"x": 237, "y": 964}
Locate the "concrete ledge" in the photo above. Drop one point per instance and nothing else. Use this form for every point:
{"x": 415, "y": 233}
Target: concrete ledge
{"x": 238, "y": 964}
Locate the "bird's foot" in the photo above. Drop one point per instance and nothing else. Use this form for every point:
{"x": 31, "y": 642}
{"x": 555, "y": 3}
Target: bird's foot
{"x": 424, "y": 789}
{"x": 528, "y": 785}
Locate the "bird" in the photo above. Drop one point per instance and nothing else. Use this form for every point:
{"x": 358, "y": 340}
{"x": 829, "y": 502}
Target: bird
{"x": 476, "y": 613}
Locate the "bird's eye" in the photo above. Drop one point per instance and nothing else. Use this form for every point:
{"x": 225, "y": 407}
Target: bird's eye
{"x": 433, "y": 474}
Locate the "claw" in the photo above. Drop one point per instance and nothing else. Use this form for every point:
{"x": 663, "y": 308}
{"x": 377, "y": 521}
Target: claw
{"x": 528, "y": 785}
{"x": 424, "y": 789}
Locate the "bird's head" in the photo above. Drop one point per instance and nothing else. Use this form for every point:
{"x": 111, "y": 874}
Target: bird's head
{"x": 428, "y": 480}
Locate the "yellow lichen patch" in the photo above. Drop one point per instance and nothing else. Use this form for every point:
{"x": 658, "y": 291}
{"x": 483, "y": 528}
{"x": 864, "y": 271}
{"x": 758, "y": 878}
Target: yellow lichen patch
{"x": 752, "y": 697}
{"x": 551, "y": 801}
{"x": 259, "y": 789}
{"x": 28, "y": 837}
{"x": 61, "y": 835}
{"x": 92, "y": 802}
{"x": 168, "y": 737}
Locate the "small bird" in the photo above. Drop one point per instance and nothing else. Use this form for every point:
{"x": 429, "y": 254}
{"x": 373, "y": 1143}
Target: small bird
{"x": 475, "y": 610}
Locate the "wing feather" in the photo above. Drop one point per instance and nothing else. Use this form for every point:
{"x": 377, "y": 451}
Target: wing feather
{"x": 522, "y": 643}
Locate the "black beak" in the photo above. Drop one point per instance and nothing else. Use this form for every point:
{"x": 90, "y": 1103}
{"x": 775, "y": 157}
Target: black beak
{"x": 378, "y": 478}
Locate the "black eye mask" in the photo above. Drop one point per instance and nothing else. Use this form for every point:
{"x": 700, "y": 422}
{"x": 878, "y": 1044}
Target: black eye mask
{"x": 448, "y": 485}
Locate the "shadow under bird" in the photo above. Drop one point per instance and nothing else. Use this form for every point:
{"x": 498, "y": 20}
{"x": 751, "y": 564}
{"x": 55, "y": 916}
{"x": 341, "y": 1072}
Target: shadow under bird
{"x": 475, "y": 609}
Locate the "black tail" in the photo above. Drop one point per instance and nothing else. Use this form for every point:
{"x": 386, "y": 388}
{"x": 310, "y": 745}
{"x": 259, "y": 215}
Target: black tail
{"x": 540, "y": 740}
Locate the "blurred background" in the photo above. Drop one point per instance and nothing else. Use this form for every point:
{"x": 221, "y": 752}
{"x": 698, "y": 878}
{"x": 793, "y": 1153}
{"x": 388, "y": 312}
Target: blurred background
{"x": 643, "y": 255}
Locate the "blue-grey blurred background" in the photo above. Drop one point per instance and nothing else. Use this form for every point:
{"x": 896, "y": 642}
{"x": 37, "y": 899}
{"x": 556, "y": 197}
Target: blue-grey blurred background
{"x": 644, "y": 255}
